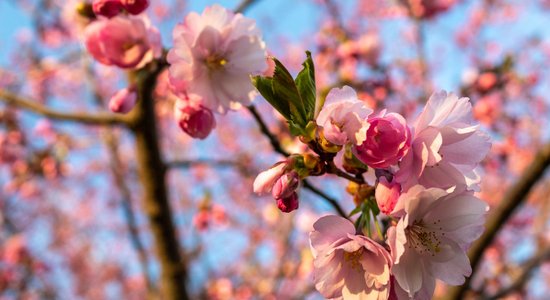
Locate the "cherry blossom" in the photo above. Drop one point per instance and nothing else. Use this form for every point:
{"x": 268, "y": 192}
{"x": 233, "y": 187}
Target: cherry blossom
{"x": 215, "y": 53}
{"x": 107, "y": 8}
{"x": 347, "y": 265}
{"x": 388, "y": 139}
{"x": 429, "y": 241}
{"x": 193, "y": 118}
{"x": 387, "y": 193}
{"x": 124, "y": 41}
{"x": 446, "y": 146}
{"x": 123, "y": 101}
{"x": 343, "y": 117}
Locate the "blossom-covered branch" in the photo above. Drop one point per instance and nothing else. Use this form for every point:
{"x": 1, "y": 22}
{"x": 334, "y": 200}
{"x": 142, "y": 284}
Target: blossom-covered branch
{"x": 84, "y": 118}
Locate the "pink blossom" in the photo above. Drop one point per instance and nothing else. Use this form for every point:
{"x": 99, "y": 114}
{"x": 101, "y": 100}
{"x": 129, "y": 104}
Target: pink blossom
{"x": 431, "y": 238}
{"x": 386, "y": 194}
{"x": 215, "y": 53}
{"x": 289, "y": 203}
{"x": 427, "y": 9}
{"x": 348, "y": 265}
{"x": 286, "y": 185}
{"x": 343, "y": 117}
{"x": 193, "y": 118}
{"x": 15, "y": 249}
{"x": 446, "y": 145}
{"x": 388, "y": 139}
{"x": 123, "y": 101}
{"x": 135, "y": 7}
{"x": 107, "y": 8}
{"x": 124, "y": 41}
{"x": 265, "y": 180}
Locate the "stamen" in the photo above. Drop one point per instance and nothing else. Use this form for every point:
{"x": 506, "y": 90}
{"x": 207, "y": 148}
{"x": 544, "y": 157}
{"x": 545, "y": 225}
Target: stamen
{"x": 214, "y": 62}
{"x": 423, "y": 239}
{"x": 353, "y": 259}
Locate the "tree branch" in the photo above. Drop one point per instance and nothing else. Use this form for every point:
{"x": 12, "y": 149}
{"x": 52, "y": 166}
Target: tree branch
{"x": 277, "y": 147}
{"x": 514, "y": 197}
{"x": 244, "y": 5}
{"x": 329, "y": 199}
{"x": 129, "y": 213}
{"x": 84, "y": 118}
{"x": 152, "y": 173}
{"x": 198, "y": 162}
{"x": 263, "y": 128}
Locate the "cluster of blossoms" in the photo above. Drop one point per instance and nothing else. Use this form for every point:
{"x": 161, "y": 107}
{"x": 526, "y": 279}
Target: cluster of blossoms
{"x": 426, "y": 178}
{"x": 120, "y": 35}
{"x": 425, "y": 170}
{"x": 211, "y": 61}
{"x": 213, "y": 56}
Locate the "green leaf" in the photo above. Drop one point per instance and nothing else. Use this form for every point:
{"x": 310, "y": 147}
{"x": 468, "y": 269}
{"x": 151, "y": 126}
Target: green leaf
{"x": 305, "y": 81}
{"x": 356, "y": 210}
{"x": 285, "y": 88}
{"x": 265, "y": 86}
{"x": 295, "y": 128}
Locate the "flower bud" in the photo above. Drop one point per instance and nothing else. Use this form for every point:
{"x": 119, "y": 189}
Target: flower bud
{"x": 107, "y": 8}
{"x": 123, "y": 101}
{"x": 326, "y": 145}
{"x": 288, "y": 204}
{"x": 285, "y": 185}
{"x": 135, "y": 7}
{"x": 195, "y": 119}
{"x": 85, "y": 10}
{"x": 265, "y": 180}
{"x": 388, "y": 140}
{"x": 387, "y": 194}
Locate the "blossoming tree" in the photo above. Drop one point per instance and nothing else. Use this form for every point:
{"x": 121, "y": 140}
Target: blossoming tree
{"x": 234, "y": 159}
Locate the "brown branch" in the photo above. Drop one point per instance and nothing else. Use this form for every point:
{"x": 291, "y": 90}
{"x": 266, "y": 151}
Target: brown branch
{"x": 263, "y": 128}
{"x": 244, "y": 5}
{"x": 277, "y": 147}
{"x": 84, "y": 118}
{"x": 333, "y": 169}
{"x": 514, "y": 197}
{"x": 526, "y": 272}
{"x": 200, "y": 162}
{"x": 117, "y": 169}
{"x": 329, "y": 199}
{"x": 130, "y": 216}
{"x": 152, "y": 173}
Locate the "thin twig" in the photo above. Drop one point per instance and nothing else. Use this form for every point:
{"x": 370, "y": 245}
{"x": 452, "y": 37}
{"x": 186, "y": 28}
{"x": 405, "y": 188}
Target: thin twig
{"x": 514, "y": 197}
{"x": 333, "y": 169}
{"x": 329, "y": 199}
{"x": 263, "y": 127}
{"x": 244, "y": 5}
{"x": 277, "y": 147}
{"x": 84, "y": 118}
{"x": 198, "y": 162}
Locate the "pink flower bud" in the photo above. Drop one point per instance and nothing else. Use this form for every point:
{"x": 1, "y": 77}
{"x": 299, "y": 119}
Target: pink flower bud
{"x": 123, "y": 101}
{"x": 265, "y": 181}
{"x": 135, "y": 7}
{"x": 388, "y": 140}
{"x": 195, "y": 119}
{"x": 288, "y": 204}
{"x": 107, "y": 8}
{"x": 387, "y": 194}
{"x": 124, "y": 41}
{"x": 285, "y": 185}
